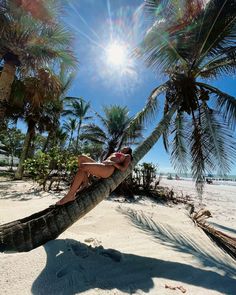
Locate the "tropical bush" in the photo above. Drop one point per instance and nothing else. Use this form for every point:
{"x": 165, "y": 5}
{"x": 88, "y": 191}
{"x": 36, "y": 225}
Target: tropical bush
{"x": 142, "y": 179}
{"x": 54, "y": 166}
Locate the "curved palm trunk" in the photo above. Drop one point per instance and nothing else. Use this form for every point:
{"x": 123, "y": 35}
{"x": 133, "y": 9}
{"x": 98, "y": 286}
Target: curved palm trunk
{"x": 30, "y": 232}
{"x": 6, "y": 80}
{"x": 28, "y": 138}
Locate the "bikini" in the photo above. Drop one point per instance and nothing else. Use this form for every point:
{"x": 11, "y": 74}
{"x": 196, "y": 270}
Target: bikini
{"x": 119, "y": 155}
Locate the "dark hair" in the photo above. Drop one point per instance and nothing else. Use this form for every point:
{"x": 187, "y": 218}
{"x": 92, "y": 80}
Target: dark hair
{"x": 129, "y": 152}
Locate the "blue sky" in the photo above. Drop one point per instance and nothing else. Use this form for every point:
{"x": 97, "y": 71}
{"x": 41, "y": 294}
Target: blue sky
{"x": 96, "y": 23}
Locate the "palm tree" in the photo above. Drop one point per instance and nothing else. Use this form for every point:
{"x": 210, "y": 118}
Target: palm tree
{"x": 37, "y": 93}
{"x": 78, "y": 108}
{"x": 60, "y": 138}
{"x": 192, "y": 46}
{"x": 212, "y": 41}
{"x": 58, "y": 105}
{"x": 26, "y": 45}
{"x": 11, "y": 142}
{"x": 70, "y": 126}
{"x": 35, "y": 230}
{"x": 38, "y": 9}
{"x": 115, "y": 130}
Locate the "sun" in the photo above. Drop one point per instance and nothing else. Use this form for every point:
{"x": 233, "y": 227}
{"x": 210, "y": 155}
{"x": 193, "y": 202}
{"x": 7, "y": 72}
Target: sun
{"x": 116, "y": 54}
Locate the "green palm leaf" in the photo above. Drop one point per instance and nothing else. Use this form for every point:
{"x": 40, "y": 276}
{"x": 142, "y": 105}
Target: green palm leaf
{"x": 220, "y": 142}
{"x": 179, "y": 154}
{"x": 226, "y": 104}
{"x": 219, "y": 19}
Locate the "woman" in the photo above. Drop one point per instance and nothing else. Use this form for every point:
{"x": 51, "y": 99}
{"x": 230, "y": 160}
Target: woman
{"x": 88, "y": 166}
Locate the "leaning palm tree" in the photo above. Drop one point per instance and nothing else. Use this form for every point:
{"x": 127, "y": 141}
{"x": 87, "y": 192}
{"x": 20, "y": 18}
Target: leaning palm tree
{"x": 115, "y": 130}
{"x": 213, "y": 28}
{"x": 193, "y": 45}
{"x": 35, "y": 230}
{"x": 27, "y": 44}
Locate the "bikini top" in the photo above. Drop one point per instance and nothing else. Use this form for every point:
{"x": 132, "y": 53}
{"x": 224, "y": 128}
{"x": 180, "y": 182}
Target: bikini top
{"x": 119, "y": 155}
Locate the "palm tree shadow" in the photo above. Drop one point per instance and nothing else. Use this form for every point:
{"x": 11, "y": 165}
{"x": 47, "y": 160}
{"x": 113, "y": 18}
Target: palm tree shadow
{"x": 180, "y": 242}
{"x": 73, "y": 267}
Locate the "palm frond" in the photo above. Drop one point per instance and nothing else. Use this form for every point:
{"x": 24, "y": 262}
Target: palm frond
{"x": 93, "y": 131}
{"x": 198, "y": 157}
{"x": 159, "y": 49}
{"x": 226, "y": 104}
{"x": 223, "y": 63}
{"x": 220, "y": 141}
{"x": 179, "y": 154}
{"x": 91, "y": 138}
{"x": 219, "y": 27}
{"x": 150, "y": 109}
{"x": 166, "y": 133}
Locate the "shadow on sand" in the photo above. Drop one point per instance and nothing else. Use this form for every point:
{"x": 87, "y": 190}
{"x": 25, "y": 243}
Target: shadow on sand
{"x": 74, "y": 267}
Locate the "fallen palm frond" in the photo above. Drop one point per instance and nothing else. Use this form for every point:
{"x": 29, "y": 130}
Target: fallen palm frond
{"x": 225, "y": 242}
{"x": 169, "y": 237}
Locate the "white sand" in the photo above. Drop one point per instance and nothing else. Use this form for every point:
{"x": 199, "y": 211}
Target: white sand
{"x": 170, "y": 251}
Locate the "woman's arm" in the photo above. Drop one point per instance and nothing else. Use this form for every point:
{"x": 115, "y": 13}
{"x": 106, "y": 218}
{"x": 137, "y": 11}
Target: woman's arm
{"x": 124, "y": 165}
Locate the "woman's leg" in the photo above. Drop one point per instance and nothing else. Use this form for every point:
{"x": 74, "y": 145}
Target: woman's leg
{"x": 79, "y": 178}
{"x": 85, "y": 159}
{"x": 96, "y": 169}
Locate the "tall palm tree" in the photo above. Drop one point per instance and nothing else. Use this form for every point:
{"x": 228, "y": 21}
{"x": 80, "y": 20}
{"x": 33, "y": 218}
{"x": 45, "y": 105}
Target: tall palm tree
{"x": 115, "y": 130}
{"x": 192, "y": 45}
{"x": 70, "y": 126}
{"x": 58, "y": 105}
{"x": 27, "y": 44}
{"x": 78, "y": 108}
{"x": 37, "y": 93}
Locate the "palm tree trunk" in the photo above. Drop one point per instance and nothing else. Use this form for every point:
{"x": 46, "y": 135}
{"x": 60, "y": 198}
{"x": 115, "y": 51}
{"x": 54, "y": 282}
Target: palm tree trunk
{"x": 70, "y": 140}
{"x": 12, "y": 161}
{"x": 46, "y": 144}
{"x": 30, "y": 232}
{"x": 28, "y": 138}
{"x": 77, "y": 139}
{"x": 6, "y": 80}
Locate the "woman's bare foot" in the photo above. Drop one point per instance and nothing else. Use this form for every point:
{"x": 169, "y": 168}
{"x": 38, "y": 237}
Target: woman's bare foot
{"x": 66, "y": 199}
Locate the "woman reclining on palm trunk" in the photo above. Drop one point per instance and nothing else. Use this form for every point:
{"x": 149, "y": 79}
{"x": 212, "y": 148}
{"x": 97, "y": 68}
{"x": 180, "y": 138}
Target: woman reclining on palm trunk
{"x": 88, "y": 166}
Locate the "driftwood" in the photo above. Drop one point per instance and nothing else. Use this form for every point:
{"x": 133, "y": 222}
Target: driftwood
{"x": 222, "y": 240}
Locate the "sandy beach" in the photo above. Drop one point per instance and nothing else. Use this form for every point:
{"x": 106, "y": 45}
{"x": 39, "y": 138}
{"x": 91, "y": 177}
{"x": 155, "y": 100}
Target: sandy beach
{"x": 122, "y": 248}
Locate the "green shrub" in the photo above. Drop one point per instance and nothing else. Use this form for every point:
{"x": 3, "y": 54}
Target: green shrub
{"x": 57, "y": 164}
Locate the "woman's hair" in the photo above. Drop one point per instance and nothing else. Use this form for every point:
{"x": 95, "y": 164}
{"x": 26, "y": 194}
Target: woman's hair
{"x": 128, "y": 151}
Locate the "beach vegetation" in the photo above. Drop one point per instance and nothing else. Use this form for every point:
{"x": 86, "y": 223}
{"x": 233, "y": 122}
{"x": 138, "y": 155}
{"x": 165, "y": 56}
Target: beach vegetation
{"x": 11, "y": 143}
{"x": 51, "y": 168}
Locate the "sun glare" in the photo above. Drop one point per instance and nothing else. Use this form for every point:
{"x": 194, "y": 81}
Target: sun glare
{"x": 116, "y": 54}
